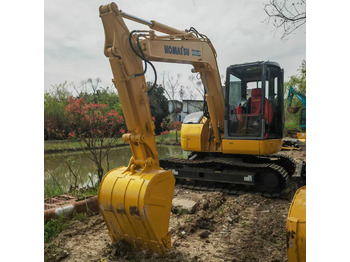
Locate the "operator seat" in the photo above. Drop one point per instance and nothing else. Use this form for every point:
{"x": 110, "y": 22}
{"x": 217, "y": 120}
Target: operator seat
{"x": 254, "y": 113}
{"x": 252, "y": 108}
{"x": 255, "y": 105}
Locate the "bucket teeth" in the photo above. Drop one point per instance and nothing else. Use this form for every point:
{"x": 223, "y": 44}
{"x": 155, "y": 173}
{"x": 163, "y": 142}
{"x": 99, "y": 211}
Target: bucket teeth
{"x": 136, "y": 207}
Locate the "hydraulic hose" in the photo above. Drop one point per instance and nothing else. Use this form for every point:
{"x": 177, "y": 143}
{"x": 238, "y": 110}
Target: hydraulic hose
{"x": 143, "y": 57}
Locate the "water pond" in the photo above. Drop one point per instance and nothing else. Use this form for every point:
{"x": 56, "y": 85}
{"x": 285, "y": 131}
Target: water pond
{"x": 57, "y": 166}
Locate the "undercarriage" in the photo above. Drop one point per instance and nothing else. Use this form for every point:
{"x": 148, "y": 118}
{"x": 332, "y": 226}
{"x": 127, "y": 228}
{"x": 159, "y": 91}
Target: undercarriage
{"x": 266, "y": 173}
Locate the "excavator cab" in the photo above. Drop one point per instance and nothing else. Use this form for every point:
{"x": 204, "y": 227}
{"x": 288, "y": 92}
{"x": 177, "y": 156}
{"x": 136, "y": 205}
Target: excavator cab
{"x": 254, "y": 101}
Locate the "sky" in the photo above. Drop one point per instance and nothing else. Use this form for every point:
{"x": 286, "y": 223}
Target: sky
{"x": 74, "y": 36}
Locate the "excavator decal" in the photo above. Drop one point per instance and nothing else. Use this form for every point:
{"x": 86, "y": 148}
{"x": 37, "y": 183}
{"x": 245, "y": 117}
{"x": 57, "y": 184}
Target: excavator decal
{"x": 196, "y": 52}
{"x": 176, "y": 50}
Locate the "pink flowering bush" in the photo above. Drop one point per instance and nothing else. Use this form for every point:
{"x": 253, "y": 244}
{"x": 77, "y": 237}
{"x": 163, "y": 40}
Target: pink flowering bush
{"x": 97, "y": 120}
{"x": 96, "y": 127}
{"x": 176, "y": 125}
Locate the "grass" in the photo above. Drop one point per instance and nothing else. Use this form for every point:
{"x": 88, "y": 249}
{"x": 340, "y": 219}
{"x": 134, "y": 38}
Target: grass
{"x": 52, "y": 189}
{"x": 245, "y": 224}
{"x": 70, "y": 144}
{"x": 55, "y": 189}
{"x": 61, "y": 145}
{"x": 84, "y": 193}
{"x": 53, "y": 227}
{"x": 169, "y": 138}
{"x": 188, "y": 219}
{"x": 220, "y": 211}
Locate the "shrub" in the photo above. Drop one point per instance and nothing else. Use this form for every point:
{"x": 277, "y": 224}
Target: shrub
{"x": 96, "y": 126}
{"x": 176, "y": 125}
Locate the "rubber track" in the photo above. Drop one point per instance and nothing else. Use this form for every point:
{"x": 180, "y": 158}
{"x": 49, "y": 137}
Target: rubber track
{"x": 285, "y": 161}
{"x": 229, "y": 163}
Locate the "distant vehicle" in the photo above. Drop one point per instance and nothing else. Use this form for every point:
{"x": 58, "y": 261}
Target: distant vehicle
{"x": 293, "y": 110}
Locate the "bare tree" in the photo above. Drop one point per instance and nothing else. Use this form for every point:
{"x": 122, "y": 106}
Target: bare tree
{"x": 287, "y": 15}
{"x": 94, "y": 85}
{"x": 70, "y": 162}
{"x": 171, "y": 88}
{"x": 198, "y": 87}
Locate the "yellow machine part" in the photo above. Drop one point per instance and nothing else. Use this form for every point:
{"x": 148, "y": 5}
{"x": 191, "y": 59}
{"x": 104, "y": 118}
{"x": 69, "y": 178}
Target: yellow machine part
{"x": 261, "y": 147}
{"x": 301, "y": 135}
{"x": 296, "y": 227}
{"x": 136, "y": 206}
{"x": 191, "y": 137}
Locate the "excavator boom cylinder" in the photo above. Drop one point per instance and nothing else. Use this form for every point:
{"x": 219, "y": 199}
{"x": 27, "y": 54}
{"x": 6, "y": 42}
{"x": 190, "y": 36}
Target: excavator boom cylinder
{"x": 136, "y": 19}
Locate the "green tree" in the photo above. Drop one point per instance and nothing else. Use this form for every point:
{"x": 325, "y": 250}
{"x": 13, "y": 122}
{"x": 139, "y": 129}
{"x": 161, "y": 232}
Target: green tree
{"x": 107, "y": 96}
{"x": 292, "y": 121}
{"x": 158, "y": 104}
{"x": 55, "y": 101}
{"x": 54, "y": 118}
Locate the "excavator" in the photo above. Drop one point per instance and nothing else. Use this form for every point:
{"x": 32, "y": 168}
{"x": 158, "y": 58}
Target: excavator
{"x": 293, "y": 110}
{"x": 234, "y": 141}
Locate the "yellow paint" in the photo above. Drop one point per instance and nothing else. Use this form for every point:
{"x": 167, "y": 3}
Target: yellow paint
{"x": 270, "y": 146}
{"x": 136, "y": 206}
{"x": 191, "y": 137}
{"x": 260, "y": 147}
{"x": 301, "y": 135}
{"x": 296, "y": 227}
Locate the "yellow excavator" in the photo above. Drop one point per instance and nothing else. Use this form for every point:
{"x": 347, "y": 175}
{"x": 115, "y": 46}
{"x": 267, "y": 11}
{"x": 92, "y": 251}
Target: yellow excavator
{"x": 296, "y": 227}
{"x": 235, "y": 140}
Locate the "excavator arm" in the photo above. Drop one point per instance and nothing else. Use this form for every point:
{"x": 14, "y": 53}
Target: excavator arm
{"x": 291, "y": 94}
{"x": 293, "y": 110}
{"x": 135, "y": 201}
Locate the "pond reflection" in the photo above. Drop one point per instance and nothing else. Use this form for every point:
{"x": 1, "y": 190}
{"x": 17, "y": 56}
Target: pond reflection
{"x": 83, "y": 170}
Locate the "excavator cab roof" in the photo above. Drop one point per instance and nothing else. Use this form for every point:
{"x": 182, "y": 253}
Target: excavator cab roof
{"x": 249, "y": 64}
{"x": 251, "y": 71}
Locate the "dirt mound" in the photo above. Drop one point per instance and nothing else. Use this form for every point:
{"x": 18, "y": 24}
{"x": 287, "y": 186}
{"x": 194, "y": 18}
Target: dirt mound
{"x": 248, "y": 227}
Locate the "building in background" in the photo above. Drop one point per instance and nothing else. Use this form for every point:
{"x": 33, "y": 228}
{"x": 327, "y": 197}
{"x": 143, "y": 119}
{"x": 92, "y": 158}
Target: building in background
{"x": 182, "y": 109}
{"x": 175, "y": 108}
{"x": 191, "y": 106}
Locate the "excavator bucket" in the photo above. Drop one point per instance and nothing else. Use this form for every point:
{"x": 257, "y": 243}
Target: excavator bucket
{"x": 296, "y": 227}
{"x": 136, "y": 206}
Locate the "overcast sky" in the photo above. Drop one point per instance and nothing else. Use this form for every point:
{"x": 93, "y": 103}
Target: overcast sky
{"x": 74, "y": 36}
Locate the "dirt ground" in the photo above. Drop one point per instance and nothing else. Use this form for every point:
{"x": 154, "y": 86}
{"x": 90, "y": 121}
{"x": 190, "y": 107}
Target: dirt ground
{"x": 246, "y": 227}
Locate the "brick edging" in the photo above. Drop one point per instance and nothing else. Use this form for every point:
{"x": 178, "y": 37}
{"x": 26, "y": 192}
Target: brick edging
{"x": 89, "y": 204}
